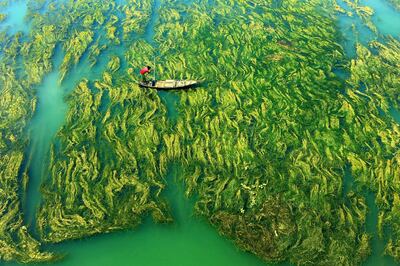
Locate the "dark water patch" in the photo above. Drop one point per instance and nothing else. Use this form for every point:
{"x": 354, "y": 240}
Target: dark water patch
{"x": 150, "y": 28}
{"x": 378, "y": 244}
{"x": 341, "y": 73}
{"x": 391, "y": 113}
{"x": 362, "y": 87}
{"x": 395, "y": 114}
{"x": 348, "y": 181}
{"x": 20, "y": 70}
{"x": 171, "y": 100}
{"x": 105, "y": 101}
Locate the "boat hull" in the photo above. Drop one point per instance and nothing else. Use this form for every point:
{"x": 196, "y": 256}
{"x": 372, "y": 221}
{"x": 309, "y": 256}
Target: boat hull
{"x": 169, "y": 84}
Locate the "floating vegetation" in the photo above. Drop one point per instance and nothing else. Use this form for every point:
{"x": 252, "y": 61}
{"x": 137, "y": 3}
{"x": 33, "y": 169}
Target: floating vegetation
{"x": 114, "y": 64}
{"x": 111, "y": 29}
{"x": 2, "y": 17}
{"x": 94, "y": 52}
{"x": 104, "y": 173}
{"x": 364, "y": 12}
{"x": 39, "y": 52}
{"x": 75, "y": 49}
{"x": 137, "y": 15}
{"x": 396, "y": 3}
{"x": 17, "y": 103}
{"x": 264, "y": 147}
{"x": 267, "y": 164}
{"x": 378, "y": 166}
{"x": 378, "y": 74}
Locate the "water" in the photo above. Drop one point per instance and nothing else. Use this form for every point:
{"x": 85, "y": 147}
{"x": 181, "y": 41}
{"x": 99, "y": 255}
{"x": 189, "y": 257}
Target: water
{"x": 42, "y": 129}
{"x": 377, "y": 244}
{"x": 189, "y": 240}
{"x": 15, "y": 20}
{"x": 386, "y": 18}
{"x": 353, "y": 30}
{"x": 395, "y": 114}
{"x": 149, "y": 31}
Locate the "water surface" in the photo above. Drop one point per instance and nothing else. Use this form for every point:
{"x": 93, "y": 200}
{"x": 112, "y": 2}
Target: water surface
{"x": 190, "y": 240}
{"x": 15, "y": 21}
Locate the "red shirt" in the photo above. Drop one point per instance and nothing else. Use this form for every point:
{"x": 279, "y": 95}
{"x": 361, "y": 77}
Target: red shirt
{"x": 144, "y": 71}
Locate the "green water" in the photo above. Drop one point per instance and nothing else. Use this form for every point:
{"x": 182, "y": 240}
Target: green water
{"x": 190, "y": 240}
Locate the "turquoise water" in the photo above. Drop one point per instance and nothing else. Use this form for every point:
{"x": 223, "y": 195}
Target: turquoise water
{"x": 42, "y": 129}
{"x": 353, "y": 31}
{"x": 386, "y": 18}
{"x": 395, "y": 114}
{"x": 189, "y": 240}
{"x": 48, "y": 119}
{"x": 15, "y": 21}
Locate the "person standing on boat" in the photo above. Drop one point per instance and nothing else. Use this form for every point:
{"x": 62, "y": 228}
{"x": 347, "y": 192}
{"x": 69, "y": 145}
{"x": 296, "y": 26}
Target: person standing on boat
{"x": 144, "y": 71}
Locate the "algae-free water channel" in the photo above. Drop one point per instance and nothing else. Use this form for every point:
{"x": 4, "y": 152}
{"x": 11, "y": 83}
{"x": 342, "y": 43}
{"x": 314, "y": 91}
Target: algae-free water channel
{"x": 139, "y": 33}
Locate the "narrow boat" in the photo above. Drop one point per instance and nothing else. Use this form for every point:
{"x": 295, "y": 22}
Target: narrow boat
{"x": 169, "y": 84}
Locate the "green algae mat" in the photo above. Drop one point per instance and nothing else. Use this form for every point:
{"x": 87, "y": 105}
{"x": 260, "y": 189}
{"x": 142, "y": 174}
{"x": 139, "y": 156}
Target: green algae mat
{"x": 285, "y": 151}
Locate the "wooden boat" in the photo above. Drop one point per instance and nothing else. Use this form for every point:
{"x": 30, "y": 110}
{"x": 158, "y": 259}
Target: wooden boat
{"x": 169, "y": 84}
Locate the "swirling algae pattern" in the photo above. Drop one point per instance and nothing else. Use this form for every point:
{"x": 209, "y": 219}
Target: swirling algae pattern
{"x": 264, "y": 145}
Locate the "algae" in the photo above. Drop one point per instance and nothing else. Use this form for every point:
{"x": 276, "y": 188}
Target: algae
{"x": 364, "y": 12}
{"x": 252, "y": 155}
{"x": 17, "y": 103}
{"x": 104, "y": 173}
{"x": 264, "y": 145}
{"x": 377, "y": 167}
{"x": 396, "y": 3}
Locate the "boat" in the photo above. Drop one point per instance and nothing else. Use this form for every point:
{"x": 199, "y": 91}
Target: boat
{"x": 169, "y": 84}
